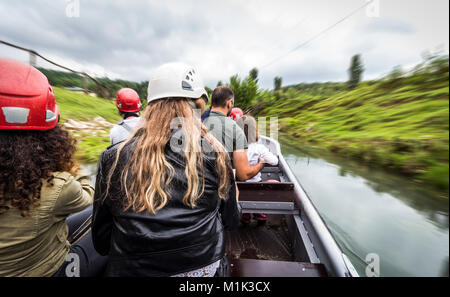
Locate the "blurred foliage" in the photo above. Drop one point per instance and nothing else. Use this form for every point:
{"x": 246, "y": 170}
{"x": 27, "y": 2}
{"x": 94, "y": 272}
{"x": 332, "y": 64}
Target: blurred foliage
{"x": 209, "y": 91}
{"x": 399, "y": 122}
{"x": 245, "y": 90}
{"x": 69, "y": 79}
{"x": 277, "y": 81}
{"x": 90, "y": 147}
{"x": 82, "y": 107}
{"x": 253, "y": 74}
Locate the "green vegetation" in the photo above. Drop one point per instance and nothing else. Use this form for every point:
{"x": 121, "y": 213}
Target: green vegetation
{"x": 68, "y": 79}
{"x": 245, "y": 90}
{"x": 90, "y": 147}
{"x": 82, "y": 107}
{"x": 277, "y": 81}
{"x": 400, "y": 123}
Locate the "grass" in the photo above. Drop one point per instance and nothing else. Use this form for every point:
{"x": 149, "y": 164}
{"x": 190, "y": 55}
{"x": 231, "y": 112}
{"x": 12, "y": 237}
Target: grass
{"x": 402, "y": 127}
{"x": 91, "y": 147}
{"x": 82, "y": 107}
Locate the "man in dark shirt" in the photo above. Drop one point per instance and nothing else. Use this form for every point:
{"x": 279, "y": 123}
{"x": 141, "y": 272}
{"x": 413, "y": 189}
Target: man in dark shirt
{"x": 229, "y": 133}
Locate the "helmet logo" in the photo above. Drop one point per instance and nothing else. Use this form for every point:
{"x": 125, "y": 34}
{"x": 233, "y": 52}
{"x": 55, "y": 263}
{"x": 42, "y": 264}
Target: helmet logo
{"x": 186, "y": 86}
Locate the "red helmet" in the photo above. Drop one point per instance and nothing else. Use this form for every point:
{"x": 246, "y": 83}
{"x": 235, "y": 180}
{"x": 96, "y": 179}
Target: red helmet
{"x": 236, "y": 113}
{"x": 127, "y": 100}
{"x": 27, "y": 100}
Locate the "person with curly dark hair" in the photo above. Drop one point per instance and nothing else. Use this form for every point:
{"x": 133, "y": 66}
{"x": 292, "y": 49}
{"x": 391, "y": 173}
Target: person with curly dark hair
{"x": 39, "y": 185}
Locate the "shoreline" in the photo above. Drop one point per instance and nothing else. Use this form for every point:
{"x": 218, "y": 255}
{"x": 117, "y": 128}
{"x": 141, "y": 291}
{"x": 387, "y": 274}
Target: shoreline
{"x": 362, "y": 157}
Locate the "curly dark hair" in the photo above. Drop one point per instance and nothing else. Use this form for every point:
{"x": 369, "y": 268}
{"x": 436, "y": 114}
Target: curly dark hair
{"x": 27, "y": 157}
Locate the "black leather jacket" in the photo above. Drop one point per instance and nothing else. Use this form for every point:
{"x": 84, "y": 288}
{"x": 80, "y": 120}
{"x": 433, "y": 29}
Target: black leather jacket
{"x": 177, "y": 238}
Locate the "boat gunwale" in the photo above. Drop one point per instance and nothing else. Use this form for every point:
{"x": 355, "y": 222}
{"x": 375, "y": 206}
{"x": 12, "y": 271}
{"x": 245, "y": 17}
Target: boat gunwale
{"x": 337, "y": 262}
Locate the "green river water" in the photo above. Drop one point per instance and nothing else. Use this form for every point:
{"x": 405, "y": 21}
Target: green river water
{"x": 374, "y": 212}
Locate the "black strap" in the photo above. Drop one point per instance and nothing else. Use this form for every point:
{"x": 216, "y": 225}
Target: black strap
{"x": 130, "y": 114}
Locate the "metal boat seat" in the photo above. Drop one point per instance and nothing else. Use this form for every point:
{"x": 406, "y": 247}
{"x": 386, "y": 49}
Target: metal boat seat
{"x": 269, "y": 198}
{"x": 274, "y": 192}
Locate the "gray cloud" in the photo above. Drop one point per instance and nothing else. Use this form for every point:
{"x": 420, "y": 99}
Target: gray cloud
{"x": 128, "y": 39}
{"x": 386, "y": 25}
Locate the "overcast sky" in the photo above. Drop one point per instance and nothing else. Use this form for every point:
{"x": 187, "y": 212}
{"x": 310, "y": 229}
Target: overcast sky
{"x": 129, "y": 39}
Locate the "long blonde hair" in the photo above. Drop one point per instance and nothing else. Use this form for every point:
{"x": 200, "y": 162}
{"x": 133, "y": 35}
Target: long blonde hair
{"x": 147, "y": 187}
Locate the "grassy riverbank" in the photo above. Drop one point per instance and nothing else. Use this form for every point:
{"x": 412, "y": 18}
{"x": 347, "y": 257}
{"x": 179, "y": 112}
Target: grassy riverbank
{"x": 398, "y": 123}
{"x": 80, "y": 107}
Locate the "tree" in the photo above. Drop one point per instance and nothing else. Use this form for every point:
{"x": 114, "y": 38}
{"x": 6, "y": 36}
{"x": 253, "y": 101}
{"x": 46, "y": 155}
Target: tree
{"x": 253, "y": 74}
{"x": 245, "y": 91}
{"x": 355, "y": 71}
{"x": 219, "y": 84}
{"x": 277, "y": 81}
{"x": 209, "y": 91}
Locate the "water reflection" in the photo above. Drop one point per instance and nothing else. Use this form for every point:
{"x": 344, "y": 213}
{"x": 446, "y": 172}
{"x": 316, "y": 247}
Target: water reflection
{"x": 371, "y": 211}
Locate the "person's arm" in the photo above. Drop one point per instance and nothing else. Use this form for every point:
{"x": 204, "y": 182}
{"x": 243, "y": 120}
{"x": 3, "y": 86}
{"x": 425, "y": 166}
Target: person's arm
{"x": 102, "y": 219}
{"x": 76, "y": 194}
{"x": 268, "y": 157}
{"x": 244, "y": 170}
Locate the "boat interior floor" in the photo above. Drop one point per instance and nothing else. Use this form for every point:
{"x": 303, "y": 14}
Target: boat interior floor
{"x": 268, "y": 241}
{"x": 265, "y": 250}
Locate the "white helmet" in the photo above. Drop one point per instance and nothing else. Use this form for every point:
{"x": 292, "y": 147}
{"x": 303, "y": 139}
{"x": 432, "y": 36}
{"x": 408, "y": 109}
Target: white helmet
{"x": 176, "y": 80}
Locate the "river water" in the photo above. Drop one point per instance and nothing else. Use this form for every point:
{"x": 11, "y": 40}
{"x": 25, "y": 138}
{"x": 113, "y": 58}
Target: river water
{"x": 374, "y": 212}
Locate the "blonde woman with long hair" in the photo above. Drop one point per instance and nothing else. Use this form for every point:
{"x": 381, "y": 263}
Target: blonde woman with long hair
{"x": 165, "y": 195}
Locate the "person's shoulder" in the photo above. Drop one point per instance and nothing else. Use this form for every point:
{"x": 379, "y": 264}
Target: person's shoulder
{"x": 110, "y": 151}
{"x": 254, "y": 146}
{"x": 113, "y": 147}
{"x": 51, "y": 192}
{"x": 63, "y": 175}
{"x": 214, "y": 117}
{"x": 116, "y": 128}
{"x": 261, "y": 146}
{"x": 230, "y": 123}
{"x": 229, "y": 120}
